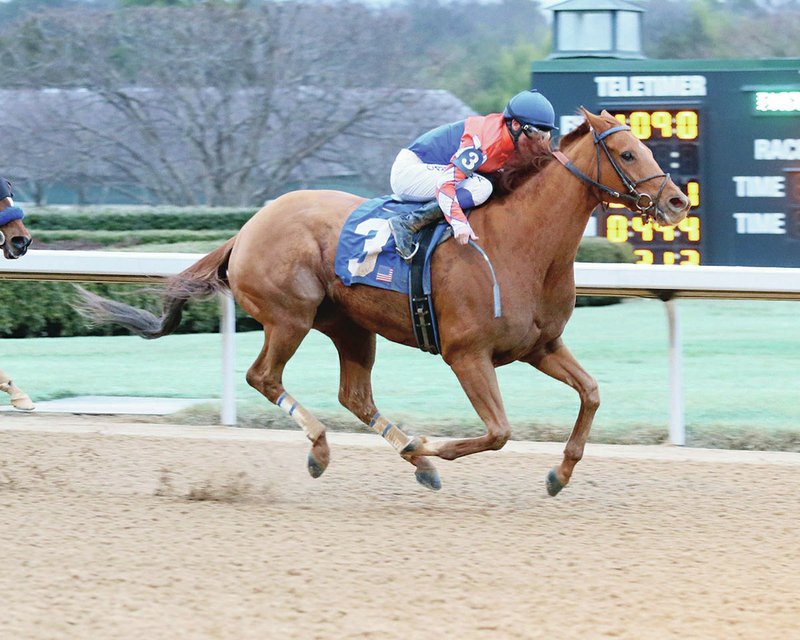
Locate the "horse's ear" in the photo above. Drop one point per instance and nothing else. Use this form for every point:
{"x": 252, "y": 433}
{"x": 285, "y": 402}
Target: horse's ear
{"x": 598, "y": 123}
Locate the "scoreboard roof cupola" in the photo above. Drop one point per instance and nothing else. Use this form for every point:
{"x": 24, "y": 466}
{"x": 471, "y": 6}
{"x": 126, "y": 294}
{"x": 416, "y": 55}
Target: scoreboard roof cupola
{"x": 597, "y": 29}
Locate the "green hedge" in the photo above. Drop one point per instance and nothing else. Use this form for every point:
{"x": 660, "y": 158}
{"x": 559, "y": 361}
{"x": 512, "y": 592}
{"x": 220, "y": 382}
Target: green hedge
{"x": 37, "y": 309}
{"x": 133, "y": 237}
{"x": 34, "y": 309}
{"x": 601, "y": 250}
{"x": 134, "y": 218}
{"x": 43, "y": 309}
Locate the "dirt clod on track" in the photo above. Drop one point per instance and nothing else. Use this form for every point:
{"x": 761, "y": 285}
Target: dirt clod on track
{"x": 120, "y": 530}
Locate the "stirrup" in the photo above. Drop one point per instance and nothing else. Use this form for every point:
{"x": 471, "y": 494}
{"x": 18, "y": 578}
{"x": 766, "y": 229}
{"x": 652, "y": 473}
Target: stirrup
{"x": 401, "y": 234}
{"x": 411, "y": 255}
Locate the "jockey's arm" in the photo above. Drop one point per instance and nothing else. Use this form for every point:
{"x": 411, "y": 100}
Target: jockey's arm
{"x": 446, "y": 194}
{"x": 463, "y": 163}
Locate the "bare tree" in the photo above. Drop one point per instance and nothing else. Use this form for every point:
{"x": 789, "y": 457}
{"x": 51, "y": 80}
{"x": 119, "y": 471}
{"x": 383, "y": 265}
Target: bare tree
{"x": 218, "y": 105}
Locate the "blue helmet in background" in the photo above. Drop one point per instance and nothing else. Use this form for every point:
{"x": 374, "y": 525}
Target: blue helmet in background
{"x": 531, "y": 107}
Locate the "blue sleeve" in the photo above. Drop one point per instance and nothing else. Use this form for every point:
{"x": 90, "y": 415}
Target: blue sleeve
{"x": 438, "y": 145}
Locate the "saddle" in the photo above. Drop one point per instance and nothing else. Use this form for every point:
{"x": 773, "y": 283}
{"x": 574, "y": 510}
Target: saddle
{"x": 366, "y": 254}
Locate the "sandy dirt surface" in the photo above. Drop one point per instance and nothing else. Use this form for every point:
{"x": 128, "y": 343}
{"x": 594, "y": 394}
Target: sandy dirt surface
{"x": 121, "y": 530}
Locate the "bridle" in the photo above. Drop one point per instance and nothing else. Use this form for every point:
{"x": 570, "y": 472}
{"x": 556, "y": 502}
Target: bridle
{"x": 644, "y": 203}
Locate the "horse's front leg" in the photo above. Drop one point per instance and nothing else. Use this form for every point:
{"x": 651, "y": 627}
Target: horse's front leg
{"x": 19, "y": 399}
{"x": 478, "y": 379}
{"x": 560, "y": 364}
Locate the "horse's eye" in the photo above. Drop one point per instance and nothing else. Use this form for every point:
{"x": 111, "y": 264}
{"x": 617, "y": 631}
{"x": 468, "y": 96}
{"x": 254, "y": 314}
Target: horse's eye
{"x": 627, "y": 156}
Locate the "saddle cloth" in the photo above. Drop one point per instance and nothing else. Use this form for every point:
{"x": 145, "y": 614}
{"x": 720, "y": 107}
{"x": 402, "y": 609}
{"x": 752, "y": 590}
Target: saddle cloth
{"x": 366, "y": 252}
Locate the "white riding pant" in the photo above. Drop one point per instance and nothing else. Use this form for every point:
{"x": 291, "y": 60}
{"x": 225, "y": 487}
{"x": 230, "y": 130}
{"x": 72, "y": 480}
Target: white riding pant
{"x": 413, "y": 180}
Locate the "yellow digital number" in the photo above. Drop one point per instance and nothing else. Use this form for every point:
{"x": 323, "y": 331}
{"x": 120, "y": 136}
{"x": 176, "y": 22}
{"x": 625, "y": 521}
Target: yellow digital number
{"x": 691, "y": 227}
{"x": 640, "y": 125}
{"x": 692, "y": 257}
{"x": 621, "y": 118}
{"x": 645, "y": 256}
{"x": 693, "y": 191}
{"x": 668, "y": 233}
{"x": 662, "y": 120}
{"x": 686, "y": 125}
{"x": 617, "y": 228}
{"x": 646, "y": 230}
{"x": 669, "y": 257}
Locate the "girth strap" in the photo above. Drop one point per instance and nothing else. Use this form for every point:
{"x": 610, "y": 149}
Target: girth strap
{"x": 423, "y": 317}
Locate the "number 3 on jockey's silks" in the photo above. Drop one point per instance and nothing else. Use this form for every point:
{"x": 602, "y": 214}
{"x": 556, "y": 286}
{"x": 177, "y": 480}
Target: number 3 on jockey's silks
{"x": 468, "y": 159}
{"x": 372, "y": 245}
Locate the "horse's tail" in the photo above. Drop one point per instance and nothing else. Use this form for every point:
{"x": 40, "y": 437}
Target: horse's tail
{"x": 205, "y": 277}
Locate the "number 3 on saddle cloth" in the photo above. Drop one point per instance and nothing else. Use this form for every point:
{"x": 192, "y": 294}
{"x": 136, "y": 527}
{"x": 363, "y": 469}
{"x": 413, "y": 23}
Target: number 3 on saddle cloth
{"x": 366, "y": 255}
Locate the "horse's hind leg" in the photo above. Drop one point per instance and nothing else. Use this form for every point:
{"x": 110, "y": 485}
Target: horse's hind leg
{"x": 19, "y": 399}
{"x": 265, "y": 375}
{"x": 477, "y": 377}
{"x": 356, "y": 347}
{"x": 559, "y": 363}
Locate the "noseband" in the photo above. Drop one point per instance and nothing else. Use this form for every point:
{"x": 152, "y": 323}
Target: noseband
{"x": 644, "y": 203}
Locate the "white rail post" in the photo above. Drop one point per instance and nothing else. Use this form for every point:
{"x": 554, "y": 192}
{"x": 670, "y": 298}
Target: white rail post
{"x": 677, "y": 426}
{"x": 228, "y": 330}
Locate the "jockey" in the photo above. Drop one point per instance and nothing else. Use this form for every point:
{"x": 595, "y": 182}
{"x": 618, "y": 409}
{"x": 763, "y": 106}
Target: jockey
{"x": 443, "y": 166}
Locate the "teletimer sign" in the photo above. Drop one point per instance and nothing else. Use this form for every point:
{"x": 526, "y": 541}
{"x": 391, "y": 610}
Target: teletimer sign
{"x": 728, "y": 132}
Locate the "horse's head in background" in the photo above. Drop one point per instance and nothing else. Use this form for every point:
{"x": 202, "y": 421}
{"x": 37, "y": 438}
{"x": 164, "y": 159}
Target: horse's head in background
{"x": 621, "y": 169}
{"x": 14, "y": 237}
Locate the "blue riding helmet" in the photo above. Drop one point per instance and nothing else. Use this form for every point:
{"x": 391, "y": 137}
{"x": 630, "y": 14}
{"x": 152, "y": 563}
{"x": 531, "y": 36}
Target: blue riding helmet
{"x": 531, "y": 107}
{"x": 5, "y": 189}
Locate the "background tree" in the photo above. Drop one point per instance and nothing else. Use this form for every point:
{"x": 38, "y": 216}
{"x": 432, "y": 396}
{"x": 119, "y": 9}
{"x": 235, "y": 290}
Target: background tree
{"x": 716, "y": 29}
{"x": 481, "y": 52}
{"x": 234, "y": 101}
{"x": 217, "y": 104}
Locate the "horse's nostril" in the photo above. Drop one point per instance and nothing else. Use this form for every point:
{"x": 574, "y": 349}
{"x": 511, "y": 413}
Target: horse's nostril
{"x": 20, "y": 243}
{"x": 679, "y": 203}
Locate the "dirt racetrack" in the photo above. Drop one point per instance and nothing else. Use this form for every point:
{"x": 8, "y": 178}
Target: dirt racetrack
{"x": 113, "y": 530}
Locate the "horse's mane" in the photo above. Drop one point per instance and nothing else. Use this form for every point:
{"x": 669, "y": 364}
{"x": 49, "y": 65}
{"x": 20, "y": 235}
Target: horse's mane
{"x": 532, "y": 156}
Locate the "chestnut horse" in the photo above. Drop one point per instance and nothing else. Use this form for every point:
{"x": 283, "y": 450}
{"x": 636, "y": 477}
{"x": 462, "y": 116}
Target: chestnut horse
{"x": 280, "y": 269}
{"x": 14, "y": 239}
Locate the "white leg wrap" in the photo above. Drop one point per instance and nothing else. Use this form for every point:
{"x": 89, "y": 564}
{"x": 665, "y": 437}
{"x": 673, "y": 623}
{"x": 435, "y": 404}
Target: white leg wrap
{"x": 390, "y": 432}
{"x": 312, "y": 427}
{"x": 19, "y": 399}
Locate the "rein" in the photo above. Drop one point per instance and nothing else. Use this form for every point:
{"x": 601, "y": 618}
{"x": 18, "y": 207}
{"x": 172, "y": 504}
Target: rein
{"x": 642, "y": 202}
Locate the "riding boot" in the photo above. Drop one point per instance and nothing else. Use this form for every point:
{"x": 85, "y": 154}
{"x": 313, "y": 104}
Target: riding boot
{"x": 404, "y": 227}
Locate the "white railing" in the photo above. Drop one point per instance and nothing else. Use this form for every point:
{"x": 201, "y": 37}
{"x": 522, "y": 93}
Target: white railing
{"x": 667, "y": 283}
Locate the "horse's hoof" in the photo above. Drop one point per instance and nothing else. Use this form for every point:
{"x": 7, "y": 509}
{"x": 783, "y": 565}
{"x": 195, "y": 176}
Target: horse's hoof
{"x": 428, "y": 478}
{"x": 22, "y": 402}
{"x": 413, "y": 447}
{"x": 315, "y": 467}
{"x": 553, "y": 483}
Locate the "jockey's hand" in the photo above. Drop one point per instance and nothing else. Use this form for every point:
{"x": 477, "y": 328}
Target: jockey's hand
{"x": 463, "y": 233}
